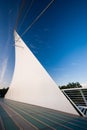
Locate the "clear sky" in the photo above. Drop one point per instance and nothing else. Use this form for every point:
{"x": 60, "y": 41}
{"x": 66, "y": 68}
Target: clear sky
{"x": 58, "y": 38}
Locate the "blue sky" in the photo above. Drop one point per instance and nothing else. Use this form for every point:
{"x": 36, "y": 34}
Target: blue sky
{"x": 58, "y": 39}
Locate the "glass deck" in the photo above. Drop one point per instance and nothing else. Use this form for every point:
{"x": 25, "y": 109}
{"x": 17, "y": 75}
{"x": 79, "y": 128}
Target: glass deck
{"x": 16, "y": 116}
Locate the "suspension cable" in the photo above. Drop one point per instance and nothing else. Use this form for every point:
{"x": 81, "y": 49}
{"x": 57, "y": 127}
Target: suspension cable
{"x": 35, "y": 20}
{"x": 27, "y": 11}
{"x": 19, "y": 14}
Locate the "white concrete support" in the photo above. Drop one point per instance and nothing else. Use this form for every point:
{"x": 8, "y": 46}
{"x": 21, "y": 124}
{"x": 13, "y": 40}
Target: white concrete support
{"x": 32, "y": 84}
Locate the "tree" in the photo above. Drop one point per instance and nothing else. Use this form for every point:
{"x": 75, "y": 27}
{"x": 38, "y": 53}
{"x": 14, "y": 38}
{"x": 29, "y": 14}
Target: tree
{"x": 71, "y": 85}
{"x": 3, "y": 92}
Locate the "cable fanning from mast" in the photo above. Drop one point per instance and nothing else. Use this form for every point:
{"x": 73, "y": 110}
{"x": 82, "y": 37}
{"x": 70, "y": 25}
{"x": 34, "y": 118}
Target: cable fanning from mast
{"x": 19, "y": 14}
{"x": 27, "y": 11}
{"x": 36, "y": 19}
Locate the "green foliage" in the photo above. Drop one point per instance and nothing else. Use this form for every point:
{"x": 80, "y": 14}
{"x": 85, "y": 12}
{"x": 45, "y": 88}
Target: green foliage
{"x": 3, "y": 92}
{"x": 71, "y": 85}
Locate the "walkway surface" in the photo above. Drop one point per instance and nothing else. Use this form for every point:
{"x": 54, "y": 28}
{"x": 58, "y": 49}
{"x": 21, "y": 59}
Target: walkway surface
{"x": 20, "y": 116}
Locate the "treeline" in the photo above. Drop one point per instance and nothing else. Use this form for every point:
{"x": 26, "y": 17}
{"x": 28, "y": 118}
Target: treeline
{"x": 3, "y": 92}
{"x": 71, "y": 85}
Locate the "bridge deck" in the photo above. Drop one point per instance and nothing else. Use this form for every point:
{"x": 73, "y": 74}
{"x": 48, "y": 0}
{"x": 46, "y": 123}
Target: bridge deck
{"x": 21, "y": 116}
